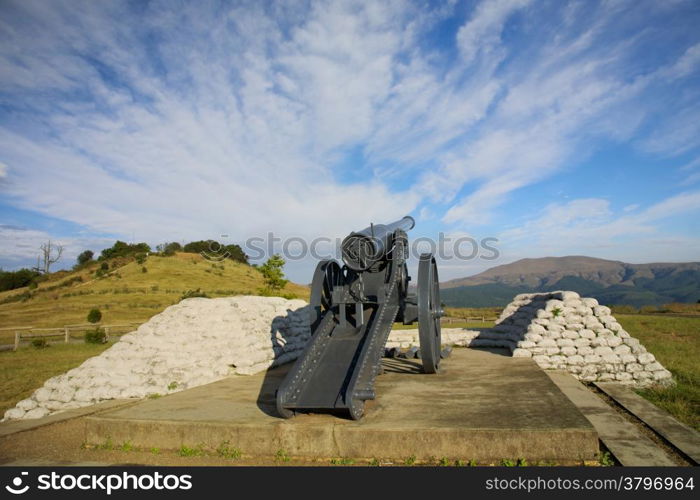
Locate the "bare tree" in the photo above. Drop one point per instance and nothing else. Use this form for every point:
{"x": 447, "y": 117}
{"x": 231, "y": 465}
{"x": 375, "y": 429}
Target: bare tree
{"x": 47, "y": 256}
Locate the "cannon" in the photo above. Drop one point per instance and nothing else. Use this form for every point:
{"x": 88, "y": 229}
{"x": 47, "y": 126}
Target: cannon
{"x": 354, "y": 307}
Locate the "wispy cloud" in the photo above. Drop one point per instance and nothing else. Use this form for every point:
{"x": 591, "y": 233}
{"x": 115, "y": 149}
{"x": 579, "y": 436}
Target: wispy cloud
{"x": 167, "y": 122}
{"x": 591, "y": 226}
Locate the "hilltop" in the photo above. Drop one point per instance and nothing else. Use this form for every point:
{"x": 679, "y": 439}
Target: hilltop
{"x": 126, "y": 292}
{"x": 611, "y": 282}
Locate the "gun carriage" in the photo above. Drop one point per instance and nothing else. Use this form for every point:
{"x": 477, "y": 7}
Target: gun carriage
{"x": 354, "y": 308}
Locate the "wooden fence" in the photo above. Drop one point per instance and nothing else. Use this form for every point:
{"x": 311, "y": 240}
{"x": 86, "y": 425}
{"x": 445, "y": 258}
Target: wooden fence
{"x": 65, "y": 332}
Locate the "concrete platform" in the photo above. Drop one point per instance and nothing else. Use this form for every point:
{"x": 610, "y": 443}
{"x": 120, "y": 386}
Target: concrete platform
{"x": 622, "y": 438}
{"x": 484, "y": 406}
{"x": 679, "y": 435}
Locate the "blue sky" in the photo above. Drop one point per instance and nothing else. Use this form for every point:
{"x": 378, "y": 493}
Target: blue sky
{"x": 560, "y": 128}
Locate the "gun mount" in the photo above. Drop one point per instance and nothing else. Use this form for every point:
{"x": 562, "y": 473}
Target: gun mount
{"x": 354, "y": 308}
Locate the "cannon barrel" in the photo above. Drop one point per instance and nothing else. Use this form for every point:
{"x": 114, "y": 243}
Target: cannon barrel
{"x": 363, "y": 248}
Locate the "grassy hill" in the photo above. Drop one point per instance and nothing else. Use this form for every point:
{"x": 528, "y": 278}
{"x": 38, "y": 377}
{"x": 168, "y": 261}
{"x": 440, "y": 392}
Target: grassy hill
{"x": 127, "y": 293}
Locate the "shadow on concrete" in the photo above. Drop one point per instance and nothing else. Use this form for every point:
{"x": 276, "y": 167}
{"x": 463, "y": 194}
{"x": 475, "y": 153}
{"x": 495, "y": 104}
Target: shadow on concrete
{"x": 402, "y": 365}
{"x": 275, "y": 374}
{"x": 500, "y": 351}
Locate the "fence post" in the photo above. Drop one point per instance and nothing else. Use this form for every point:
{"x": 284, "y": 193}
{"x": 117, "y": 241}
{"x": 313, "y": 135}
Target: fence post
{"x": 67, "y": 334}
{"x": 106, "y": 334}
{"x": 17, "y": 334}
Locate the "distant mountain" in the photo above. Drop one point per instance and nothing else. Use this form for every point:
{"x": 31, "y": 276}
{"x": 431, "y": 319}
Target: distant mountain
{"x": 611, "y": 282}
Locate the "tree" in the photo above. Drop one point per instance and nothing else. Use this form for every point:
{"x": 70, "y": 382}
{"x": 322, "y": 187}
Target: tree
{"x": 9, "y": 280}
{"x": 50, "y": 254}
{"x": 213, "y": 250}
{"x": 85, "y": 257}
{"x": 272, "y": 272}
{"x": 123, "y": 249}
{"x": 94, "y": 316}
{"x": 168, "y": 249}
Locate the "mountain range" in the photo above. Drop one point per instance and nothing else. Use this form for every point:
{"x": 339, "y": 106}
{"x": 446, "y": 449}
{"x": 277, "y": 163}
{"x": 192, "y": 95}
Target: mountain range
{"x": 609, "y": 281}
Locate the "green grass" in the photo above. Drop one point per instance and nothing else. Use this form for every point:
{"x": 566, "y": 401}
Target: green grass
{"x": 24, "y": 371}
{"x": 186, "y": 451}
{"x": 675, "y": 341}
{"x": 225, "y": 450}
{"x": 282, "y": 456}
{"x": 606, "y": 459}
{"x": 342, "y": 461}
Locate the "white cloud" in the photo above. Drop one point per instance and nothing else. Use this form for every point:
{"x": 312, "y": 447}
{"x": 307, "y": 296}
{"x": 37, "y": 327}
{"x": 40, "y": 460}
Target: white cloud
{"x": 677, "y": 134}
{"x": 194, "y": 122}
{"x": 574, "y": 91}
{"x": 589, "y": 227}
{"x": 19, "y": 246}
{"x": 482, "y": 33}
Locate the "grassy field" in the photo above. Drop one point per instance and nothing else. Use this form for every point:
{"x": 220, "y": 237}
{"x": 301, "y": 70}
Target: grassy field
{"x": 473, "y": 312}
{"x": 675, "y": 341}
{"x": 672, "y": 309}
{"x": 128, "y": 294}
{"x": 27, "y": 369}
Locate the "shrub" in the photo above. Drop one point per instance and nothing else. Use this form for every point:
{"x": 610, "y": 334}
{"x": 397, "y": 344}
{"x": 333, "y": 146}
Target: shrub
{"x": 193, "y": 293}
{"x": 39, "y": 343}
{"x": 144, "y": 269}
{"x": 85, "y": 257}
{"x": 10, "y": 280}
{"x": 140, "y": 258}
{"x": 94, "y": 316}
{"x": 216, "y": 250}
{"x": 104, "y": 266}
{"x": 168, "y": 249}
{"x": 33, "y": 285}
{"x": 122, "y": 249}
{"x": 96, "y": 336}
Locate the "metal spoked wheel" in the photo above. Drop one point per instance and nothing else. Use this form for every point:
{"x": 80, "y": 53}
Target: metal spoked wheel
{"x": 429, "y": 313}
{"x": 327, "y": 275}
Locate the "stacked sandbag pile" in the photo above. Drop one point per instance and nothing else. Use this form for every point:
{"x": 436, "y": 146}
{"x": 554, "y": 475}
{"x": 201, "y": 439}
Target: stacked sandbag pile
{"x": 403, "y": 339}
{"x": 191, "y": 343}
{"x": 560, "y": 330}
